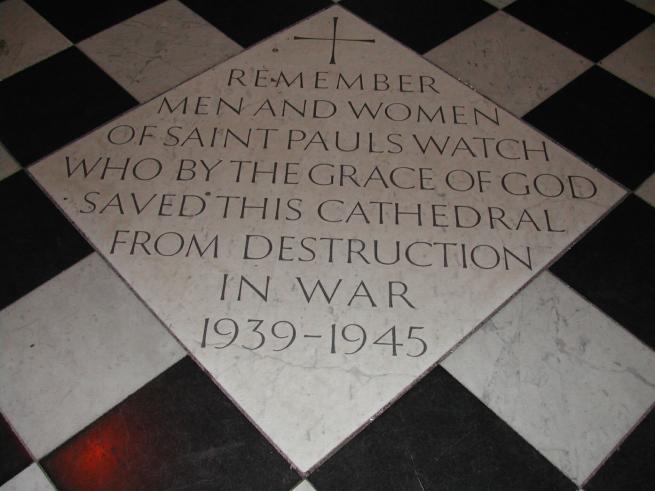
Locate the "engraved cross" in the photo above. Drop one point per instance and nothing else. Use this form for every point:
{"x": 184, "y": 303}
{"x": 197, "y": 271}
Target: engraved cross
{"x": 334, "y": 39}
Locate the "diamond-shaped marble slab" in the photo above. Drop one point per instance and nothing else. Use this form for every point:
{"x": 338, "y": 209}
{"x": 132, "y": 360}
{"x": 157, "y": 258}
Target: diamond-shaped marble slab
{"x": 327, "y": 153}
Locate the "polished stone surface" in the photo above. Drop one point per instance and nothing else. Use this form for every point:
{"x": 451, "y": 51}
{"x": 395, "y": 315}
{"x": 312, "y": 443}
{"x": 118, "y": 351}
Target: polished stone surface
{"x": 439, "y": 436}
{"x": 647, "y": 190}
{"x": 603, "y": 114}
{"x": 621, "y": 244}
{"x": 158, "y": 49}
{"x": 592, "y": 32}
{"x": 631, "y": 466}
{"x": 594, "y": 112}
{"x": 31, "y": 479}
{"x": 509, "y": 62}
{"x": 566, "y": 377}
{"x": 161, "y": 437}
{"x": 308, "y": 366}
{"x": 40, "y": 243}
{"x": 304, "y": 486}
{"x": 421, "y": 25}
{"x": 83, "y": 321}
{"x": 15, "y": 456}
{"x": 79, "y": 20}
{"x": 27, "y": 38}
{"x": 90, "y": 98}
{"x": 635, "y": 61}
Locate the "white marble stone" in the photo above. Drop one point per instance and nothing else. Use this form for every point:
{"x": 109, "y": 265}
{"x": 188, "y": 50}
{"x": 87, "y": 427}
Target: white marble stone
{"x": 647, "y": 5}
{"x": 508, "y": 61}
{"x": 25, "y": 37}
{"x": 312, "y": 395}
{"x": 30, "y": 479}
{"x": 634, "y": 62}
{"x": 646, "y": 190}
{"x": 8, "y": 164}
{"x": 565, "y": 376}
{"x": 80, "y": 344}
{"x": 304, "y": 486}
{"x": 159, "y": 48}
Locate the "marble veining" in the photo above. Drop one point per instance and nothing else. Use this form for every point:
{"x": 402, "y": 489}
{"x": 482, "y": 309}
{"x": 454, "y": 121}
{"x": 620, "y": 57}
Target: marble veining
{"x": 224, "y": 219}
{"x": 566, "y": 377}
{"x": 509, "y": 62}
{"x": 159, "y": 48}
{"x": 83, "y": 321}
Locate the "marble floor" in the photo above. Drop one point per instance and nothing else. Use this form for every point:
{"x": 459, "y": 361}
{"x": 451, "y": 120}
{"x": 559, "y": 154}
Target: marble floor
{"x": 541, "y": 381}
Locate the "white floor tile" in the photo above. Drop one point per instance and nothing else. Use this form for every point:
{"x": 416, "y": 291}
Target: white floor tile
{"x": 7, "y": 163}
{"x": 647, "y": 190}
{"x": 159, "y": 48}
{"x": 310, "y": 391}
{"x": 72, "y": 349}
{"x": 567, "y": 378}
{"x": 634, "y": 62}
{"x": 303, "y": 486}
{"x": 509, "y": 62}
{"x": 26, "y": 37}
{"x": 31, "y": 479}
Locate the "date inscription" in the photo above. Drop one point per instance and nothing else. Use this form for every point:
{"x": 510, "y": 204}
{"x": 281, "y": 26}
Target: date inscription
{"x": 347, "y": 339}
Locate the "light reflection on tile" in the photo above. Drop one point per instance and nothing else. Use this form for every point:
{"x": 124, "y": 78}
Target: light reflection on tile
{"x": 85, "y": 321}
{"x": 310, "y": 397}
{"x": 566, "y": 377}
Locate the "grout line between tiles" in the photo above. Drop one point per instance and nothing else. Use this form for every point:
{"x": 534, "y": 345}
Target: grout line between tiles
{"x": 418, "y": 378}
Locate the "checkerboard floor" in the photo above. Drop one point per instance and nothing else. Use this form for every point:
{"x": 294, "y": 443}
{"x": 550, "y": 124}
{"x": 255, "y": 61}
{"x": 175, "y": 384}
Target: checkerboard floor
{"x": 554, "y": 391}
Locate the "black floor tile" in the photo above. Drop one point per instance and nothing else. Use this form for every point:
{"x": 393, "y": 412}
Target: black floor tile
{"x": 249, "y": 22}
{"x": 631, "y": 466}
{"x": 593, "y": 29}
{"x": 78, "y": 20}
{"x": 420, "y": 24}
{"x": 177, "y": 432}
{"x": 55, "y": 101}
{"x": 438, "y": 436}
{"x": 13, "y": 456}
{"x": 604, "y": 120}
{"x": 37, "y": 241}
{"x": 614, "y": 266}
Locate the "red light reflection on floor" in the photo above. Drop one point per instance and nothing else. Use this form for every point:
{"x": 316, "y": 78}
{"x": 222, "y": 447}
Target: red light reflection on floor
{"x": 98, "y": 458}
